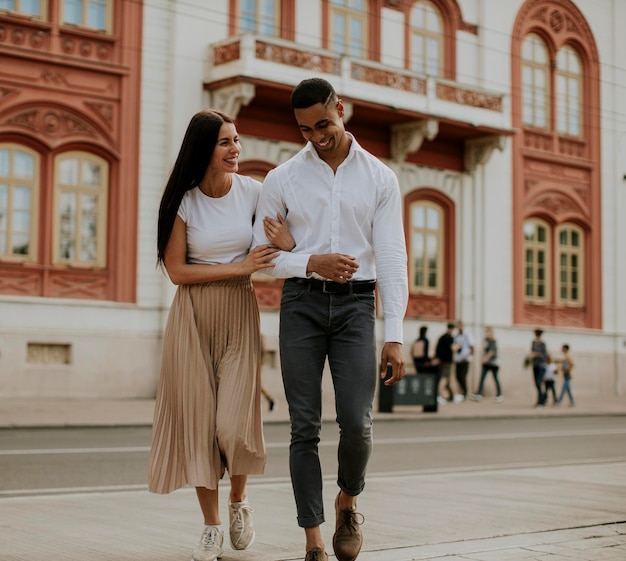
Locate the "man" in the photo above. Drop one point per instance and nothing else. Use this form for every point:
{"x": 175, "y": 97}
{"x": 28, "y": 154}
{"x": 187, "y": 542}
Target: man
{"x": 463, "y": 353}
{"x": 443, "y": 357}
{"x": 343, "y": 207}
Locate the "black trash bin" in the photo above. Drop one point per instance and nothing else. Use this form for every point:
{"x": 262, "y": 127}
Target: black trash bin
{"x": 413, "y": 389}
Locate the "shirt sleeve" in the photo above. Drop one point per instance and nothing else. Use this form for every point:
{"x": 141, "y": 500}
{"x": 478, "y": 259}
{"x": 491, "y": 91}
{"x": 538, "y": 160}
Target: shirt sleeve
{"x": 391, "y": 259}
{"x": 272, "y": 202}
{"x": 182, "y": 208}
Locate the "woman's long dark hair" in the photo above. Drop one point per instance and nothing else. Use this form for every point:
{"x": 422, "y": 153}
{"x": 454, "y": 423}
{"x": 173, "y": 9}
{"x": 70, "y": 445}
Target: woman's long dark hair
{"x": 191, "y": 164}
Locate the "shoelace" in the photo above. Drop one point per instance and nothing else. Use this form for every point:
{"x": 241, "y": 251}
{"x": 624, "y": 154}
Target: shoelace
{"x": 209, "y": 537}
{"x": 238, "y": 522}
{"x": 352, "y": 519}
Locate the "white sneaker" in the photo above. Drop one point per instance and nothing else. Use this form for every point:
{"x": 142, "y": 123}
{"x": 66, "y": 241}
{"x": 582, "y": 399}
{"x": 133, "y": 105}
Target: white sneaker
{"x": 241, "y": 526}
{"x": 211, "y": 545}
{"x": 476, "y": 397}
{"x": 458, "y": 398}
{"x": 441, "y": 400}
{"x": 499, "y": 399}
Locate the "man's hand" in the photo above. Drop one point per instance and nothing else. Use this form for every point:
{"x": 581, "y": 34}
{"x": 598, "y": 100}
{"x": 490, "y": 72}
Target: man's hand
{"x": 392, "y": 354}
{"x": 333, "y": 266}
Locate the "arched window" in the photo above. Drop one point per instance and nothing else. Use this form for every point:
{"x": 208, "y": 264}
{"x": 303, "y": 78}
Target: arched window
{"x": 348, "y": 27}
{"x": 537, "y": 260}
{"x": 19, "y": 189}
{"x": 535, "y": 82}
{"x": 260, "y": 16}
{"x": 426, "y": 34}
{"x": 568, "y": 92}
{"x": 569, "y": 264}
{"x": 94, "y": 14}
{"x": 426, "y": 248}
{"x": 80, "y": 210}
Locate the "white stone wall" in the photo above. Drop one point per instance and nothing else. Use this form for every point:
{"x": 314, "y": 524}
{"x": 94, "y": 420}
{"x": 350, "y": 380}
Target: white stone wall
{"x": 115, "y": 349}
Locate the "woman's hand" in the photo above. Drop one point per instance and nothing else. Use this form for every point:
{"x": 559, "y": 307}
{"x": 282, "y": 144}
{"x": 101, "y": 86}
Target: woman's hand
{"x": 258, "y": 258}
{"x": 278, "y": 233}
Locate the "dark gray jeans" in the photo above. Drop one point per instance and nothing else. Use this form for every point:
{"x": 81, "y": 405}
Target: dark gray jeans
{"x": 315, "y": 326}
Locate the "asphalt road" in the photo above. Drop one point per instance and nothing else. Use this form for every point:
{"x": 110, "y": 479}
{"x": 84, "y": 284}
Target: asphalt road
{"x": 58, "y": 461}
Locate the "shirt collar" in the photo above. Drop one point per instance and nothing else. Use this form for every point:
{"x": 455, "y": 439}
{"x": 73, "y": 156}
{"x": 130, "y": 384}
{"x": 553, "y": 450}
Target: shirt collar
{"x": 354, "y": 148}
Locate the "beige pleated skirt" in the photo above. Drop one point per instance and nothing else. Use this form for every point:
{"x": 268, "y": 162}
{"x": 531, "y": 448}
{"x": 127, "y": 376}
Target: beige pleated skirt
{"x": 207, "y": 417}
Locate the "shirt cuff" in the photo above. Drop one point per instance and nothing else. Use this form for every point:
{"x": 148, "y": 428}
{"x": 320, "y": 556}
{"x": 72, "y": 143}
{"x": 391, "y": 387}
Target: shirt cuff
{"x": 293, "y": 265}
{"x": 393, "y": 330}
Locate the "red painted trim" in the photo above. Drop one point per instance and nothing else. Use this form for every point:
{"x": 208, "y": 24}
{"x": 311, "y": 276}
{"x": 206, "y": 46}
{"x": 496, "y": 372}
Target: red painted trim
{"x": 441, "y": 306}
{"x": 288, "y": 20}
{"x": 373, "y": 25}
{"x": 549, "y": 19}
{"x": 452, "y": 18}
{"x": 99, "y": 112}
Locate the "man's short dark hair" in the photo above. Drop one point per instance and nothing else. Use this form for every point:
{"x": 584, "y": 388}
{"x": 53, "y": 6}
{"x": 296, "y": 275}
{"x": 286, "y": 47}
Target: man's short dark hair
{"x": 451, "y": 326}
{"x": 312, "y": 91}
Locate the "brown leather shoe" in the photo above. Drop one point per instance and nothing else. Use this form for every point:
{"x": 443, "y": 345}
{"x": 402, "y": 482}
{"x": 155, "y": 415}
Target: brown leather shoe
{"x": 316, "y": 554}
{"x": 347, "y": 539}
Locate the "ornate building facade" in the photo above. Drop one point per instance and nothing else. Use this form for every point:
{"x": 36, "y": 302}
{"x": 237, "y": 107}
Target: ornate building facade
{"x": 505, "y": 123}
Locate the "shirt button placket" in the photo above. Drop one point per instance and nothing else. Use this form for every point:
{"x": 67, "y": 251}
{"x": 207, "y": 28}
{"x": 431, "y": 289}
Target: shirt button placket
{"x": 335, "y": 209}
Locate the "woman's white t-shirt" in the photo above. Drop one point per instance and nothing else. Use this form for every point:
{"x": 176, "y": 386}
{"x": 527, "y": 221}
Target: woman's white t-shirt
{"x": 219, "y": 230}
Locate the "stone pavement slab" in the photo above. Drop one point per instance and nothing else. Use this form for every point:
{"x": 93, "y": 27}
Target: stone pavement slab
{"x": 551, "y": 513}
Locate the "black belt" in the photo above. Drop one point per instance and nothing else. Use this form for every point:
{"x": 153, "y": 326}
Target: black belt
{"x": 330, "y": 287}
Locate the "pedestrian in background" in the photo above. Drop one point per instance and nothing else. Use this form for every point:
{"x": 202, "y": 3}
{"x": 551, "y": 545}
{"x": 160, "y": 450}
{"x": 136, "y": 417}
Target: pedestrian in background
{"x": 420, "y": 350}
{"x": 567, "y": 369}
{"x": 489, "y": 364}
{"x": 207, "y": 418}
{"x": 463, "y": 348}
{"x": 549, "y": 380}
{"x": 344, "y": 209}
{"x": 537, "y": 357}
{"x": 443, "y": 358}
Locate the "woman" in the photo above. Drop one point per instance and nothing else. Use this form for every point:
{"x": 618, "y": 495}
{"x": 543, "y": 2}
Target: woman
{"x": 207, "y": 418}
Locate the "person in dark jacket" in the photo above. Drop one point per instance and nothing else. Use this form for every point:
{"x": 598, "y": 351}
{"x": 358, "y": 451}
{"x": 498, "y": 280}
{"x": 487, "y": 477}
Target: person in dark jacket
{"x": 443, "y": 356}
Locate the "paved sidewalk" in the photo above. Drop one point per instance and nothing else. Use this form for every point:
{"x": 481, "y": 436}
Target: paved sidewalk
{"x": 138, "y": 412}
{"x": 574, "y": 512}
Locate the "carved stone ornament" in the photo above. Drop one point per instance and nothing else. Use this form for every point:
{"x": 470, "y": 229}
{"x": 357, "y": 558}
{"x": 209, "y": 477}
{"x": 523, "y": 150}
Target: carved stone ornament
{"x": 479, "y": 150}
{"x": 557, "y": 204}
{"x": 407, "y": 138}
{"x": 229, "y": 99}
{"x": 52, "y": 123}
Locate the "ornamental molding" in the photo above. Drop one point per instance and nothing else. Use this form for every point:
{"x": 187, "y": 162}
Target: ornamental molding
{"x": 407, "y": 138}
{"x": 230, "y": 99}
{"x": 478, "y": 151}
{"x": 51, "y": 122}
{"x": 298, "y": 58}
{"x": 104, "y": 111}
{"x": 561, "y": 19}
{"x": 557, "y": 205}
{"x": 464, "y": 96}
{"x": 6, "y": 92}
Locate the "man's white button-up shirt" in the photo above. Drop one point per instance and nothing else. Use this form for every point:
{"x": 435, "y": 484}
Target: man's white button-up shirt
{"x": 356, "y": 211}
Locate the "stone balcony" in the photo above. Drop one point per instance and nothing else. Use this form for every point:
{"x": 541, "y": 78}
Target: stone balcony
{"x": 254, "y": 60}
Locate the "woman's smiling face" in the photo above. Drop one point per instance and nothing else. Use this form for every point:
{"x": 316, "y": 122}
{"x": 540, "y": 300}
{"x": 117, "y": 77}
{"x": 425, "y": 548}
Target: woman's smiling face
{"x": 227, "y": 149}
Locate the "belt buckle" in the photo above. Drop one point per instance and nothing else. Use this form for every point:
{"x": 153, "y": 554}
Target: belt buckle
{"x": 324, "y": 291}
